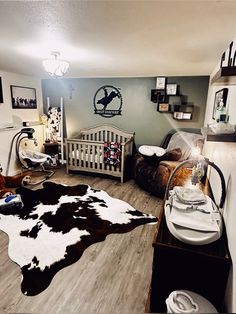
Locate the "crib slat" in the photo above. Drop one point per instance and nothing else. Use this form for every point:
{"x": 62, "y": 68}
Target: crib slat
{"x": 94, "y": 152}
{"x": 102, "y": 152}
{"x": 69, "y": 157}
{"x": 75, "y": 154}
{"x": 79, "y": 154}
{"x": 105, "y": 136}
{"x": 83, "y": 155}
{"x": 87, "y": 157}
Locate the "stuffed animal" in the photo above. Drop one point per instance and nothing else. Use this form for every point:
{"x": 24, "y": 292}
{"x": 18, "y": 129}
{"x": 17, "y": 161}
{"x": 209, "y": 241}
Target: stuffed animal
{"x": 7, "y": 182}
{"x": 54, "y": 119}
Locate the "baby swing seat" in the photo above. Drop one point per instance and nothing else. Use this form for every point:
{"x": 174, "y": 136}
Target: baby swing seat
{"x": 36, "y": 159}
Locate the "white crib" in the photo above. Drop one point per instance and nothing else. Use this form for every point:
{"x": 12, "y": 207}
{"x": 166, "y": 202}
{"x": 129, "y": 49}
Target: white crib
{"x": 86, "y": 153}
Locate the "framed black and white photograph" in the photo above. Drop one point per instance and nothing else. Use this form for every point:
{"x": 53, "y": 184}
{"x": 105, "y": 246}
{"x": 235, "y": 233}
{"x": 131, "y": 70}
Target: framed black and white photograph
{"x": 178, "y": 115}
{"x": 23, "y": 97}
{"x": 220, "y": 102}
{"x": 163, "y": 107}
{"x": 171, "y": 89}
{"x": 160, "y": 83}
{"x": 187, "y": 116}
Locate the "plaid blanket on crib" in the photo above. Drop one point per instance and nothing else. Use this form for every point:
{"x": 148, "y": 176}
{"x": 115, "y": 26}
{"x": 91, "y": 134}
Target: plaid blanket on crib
{"x": 112, "y": 153}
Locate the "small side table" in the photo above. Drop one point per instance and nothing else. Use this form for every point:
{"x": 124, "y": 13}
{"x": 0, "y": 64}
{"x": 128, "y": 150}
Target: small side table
{"x": 52, "y": 149}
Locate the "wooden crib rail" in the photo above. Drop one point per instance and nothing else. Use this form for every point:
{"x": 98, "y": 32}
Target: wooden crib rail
{"x": 106, "y": 133}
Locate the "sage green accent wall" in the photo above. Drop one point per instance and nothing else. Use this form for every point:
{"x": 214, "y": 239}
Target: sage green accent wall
{"x": 138, "y": 112}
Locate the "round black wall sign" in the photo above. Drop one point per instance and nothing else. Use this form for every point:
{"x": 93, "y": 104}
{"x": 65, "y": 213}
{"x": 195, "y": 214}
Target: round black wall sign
{"x": 107, "y": 101}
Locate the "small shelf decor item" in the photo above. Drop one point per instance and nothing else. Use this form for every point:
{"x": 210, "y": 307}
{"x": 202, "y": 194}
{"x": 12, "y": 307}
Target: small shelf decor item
{"x": 220, "y": 103}
{"x": 171, "y": 89}
{"x": 157, "y": 95}
{"x": 227, "y": 71}
{"x": 182, "y": 115}
{"x": 187, "y": 116}
{"x": 23, "y": 97}
{"x": 163, "y": 107}
{"x": 178, "y": 115}
{"x": 160, "y": 83}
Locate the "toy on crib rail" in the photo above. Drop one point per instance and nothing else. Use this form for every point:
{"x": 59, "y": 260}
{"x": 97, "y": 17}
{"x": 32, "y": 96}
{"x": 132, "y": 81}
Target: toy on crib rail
{"x": 8, "y": 182}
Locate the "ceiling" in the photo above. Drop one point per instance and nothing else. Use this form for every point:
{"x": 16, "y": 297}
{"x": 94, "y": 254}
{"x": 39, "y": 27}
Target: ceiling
{"x": 116, "y": 38}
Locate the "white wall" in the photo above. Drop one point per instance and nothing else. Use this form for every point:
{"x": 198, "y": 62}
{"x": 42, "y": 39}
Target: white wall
{"x": 224, "y": 155}
{"x": 9, "y": 116}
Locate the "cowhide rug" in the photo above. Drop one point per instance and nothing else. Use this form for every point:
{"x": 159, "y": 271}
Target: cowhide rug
{"x": 56, "y": 225}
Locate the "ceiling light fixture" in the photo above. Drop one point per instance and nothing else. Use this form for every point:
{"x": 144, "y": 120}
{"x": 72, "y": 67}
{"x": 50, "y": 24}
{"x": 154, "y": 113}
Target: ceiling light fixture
{"x": 55, "y": 67}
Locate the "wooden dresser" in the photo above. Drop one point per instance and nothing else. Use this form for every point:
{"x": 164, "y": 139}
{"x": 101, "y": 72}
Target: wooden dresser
{"x": 179, "y": 266}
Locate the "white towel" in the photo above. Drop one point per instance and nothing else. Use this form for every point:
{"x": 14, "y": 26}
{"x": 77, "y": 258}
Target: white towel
{"x": 195, "y": 219}
{"x": 188, "y": 195}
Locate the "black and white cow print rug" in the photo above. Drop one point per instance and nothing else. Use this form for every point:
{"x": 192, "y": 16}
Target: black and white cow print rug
{"x": 56, "y": 225}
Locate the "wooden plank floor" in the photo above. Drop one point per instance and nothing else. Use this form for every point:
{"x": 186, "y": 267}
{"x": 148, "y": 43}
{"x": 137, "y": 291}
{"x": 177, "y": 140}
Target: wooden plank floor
{"x": 111, "y": 277}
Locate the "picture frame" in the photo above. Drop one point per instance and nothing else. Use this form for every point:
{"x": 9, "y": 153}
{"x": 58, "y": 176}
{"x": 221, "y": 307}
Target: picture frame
{"x": 220, "y": 102}
{"x": 178, "y": 115}
{"x": 23, "y": 97}
{"x": 157, "y": 95}
{"x": 187, "y": 116}
{"x": 163, "y": 107}
{"x": 160, "y": 82}
{"x": 171, "y": 89}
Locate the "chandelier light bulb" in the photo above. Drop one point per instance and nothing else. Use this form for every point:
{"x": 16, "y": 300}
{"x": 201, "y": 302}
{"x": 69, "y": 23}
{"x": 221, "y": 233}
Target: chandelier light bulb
{"x": 55, "y": 67}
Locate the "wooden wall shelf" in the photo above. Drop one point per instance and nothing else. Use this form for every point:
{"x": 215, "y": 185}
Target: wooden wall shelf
{"x": 212, "y": 137}
{"x": 226, "y": 75}
{"x": 169, "y": 100}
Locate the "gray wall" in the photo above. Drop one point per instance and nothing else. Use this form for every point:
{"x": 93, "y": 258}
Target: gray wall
{"x": 138, "y": 112}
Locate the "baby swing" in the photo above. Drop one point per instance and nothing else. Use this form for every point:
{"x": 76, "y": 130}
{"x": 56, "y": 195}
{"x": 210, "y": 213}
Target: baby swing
{"x": 28, "y": 159}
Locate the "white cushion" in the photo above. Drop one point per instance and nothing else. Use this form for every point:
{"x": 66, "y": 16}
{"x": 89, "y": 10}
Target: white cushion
{"x": 186, "y": 142}
{"x": 151, "y": 150}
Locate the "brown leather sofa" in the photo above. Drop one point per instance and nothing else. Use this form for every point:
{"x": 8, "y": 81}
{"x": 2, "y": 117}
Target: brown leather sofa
{"x": 152, "y": 173}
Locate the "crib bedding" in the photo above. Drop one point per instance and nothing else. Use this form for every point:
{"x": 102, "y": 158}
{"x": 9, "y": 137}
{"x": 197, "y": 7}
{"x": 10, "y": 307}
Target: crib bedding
{"x": 88, "y": 157}
{"x": 112, "y": 153}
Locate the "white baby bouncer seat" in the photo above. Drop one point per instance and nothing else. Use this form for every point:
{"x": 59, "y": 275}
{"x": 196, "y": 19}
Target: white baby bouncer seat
{"x": 34, "y": 159}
